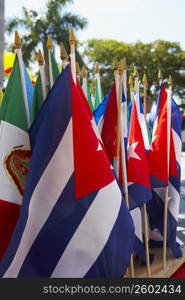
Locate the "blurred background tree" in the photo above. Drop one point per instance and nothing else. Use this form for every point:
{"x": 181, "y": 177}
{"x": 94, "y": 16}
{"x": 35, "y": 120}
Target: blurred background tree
{"x": 55, "y": 20}
{"x": 148, "y": 58}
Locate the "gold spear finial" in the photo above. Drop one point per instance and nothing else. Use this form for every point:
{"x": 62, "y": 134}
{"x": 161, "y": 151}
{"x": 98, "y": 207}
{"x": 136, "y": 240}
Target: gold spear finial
{"x": 135, "y": 73}
{"x": 97, "y": 67}
{"x": 121, "y": 67}
{"x": 84, "y": 72}
{"x": 170, "y": 81}
{"x": 145, "y": 81}
{"x": 18, "y": 44}
{"x": 77, "y": 69}
{"x": 125, "y": 63}
{"x": 49, "y": 43}
{"x": 160, "y": 76}
{"x": 71, "y": 36}
{"x": 130, "y": 82}
{"x": 63, "y": 52}
{"x": 115, "y": 65}
{"x": 40, "y": 58}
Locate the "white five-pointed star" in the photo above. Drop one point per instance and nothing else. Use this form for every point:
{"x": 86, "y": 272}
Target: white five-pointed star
{"x": 131, "y": 151}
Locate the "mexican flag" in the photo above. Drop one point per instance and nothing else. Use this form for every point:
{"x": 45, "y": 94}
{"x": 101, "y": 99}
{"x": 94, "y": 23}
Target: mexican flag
{"x": 14, "y": 155}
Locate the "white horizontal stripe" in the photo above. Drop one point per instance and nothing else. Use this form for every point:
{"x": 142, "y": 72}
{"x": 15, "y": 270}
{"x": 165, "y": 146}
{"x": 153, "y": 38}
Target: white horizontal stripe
{"x": 178, "y": 146}
{"x": 91, "y": 235}
{"x": 136, "y": 216}
{"x": 174, "y": 199}
{"x": 10, "y": 137}
{"x": 44, "y": 197}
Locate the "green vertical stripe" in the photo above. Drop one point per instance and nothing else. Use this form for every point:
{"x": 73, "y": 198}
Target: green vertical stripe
{"x": 37, "y": 98}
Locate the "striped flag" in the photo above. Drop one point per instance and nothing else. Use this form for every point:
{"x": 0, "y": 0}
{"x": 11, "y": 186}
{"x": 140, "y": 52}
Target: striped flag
{"x": 73, "y": 222}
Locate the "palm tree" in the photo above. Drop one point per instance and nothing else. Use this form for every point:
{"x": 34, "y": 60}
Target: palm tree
{"x": 54, "y": 21}
{"x": 2, "y": 13}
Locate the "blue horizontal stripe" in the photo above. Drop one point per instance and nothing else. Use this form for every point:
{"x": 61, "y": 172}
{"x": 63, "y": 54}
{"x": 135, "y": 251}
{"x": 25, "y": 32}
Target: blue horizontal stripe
{"x": 115, "y": 257}
{"x": 138, "y": 195}
{"x": 155, "y": 209}
{"x": 56, "y": 233}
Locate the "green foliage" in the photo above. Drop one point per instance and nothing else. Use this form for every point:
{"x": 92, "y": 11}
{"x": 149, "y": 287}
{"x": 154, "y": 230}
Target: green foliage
{"x": 54, "y": 20}
{"x": 148, "y": 58}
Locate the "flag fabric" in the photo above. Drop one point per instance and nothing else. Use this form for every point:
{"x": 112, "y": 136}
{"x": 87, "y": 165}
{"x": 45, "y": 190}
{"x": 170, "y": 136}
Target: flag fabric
{"x": 156, "y": 206}
{"x": 29, "y": 90}
{"x": 86, "y": 90}
{"x": 72, "y": 204}
{"x": 14, "y": 156}
{"x": 37, "y": 98}
{"x": 99, "y": 112}
{"x": 98, "y": 95}
{"x": 53, "y": 68}
{"x": 1, "y": 96}
{"x": 139, "y": 188}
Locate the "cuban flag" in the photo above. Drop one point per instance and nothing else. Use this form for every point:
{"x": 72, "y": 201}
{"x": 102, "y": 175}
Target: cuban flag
{"x": 156, "y": 205}
{"x": 73, "y": 220}
{"x": 139, "y": 188}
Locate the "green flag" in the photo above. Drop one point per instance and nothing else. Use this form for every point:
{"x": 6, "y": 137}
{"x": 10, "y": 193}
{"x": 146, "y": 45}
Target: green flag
{"x": 98, "y": 94}
{"x": 14, "y": 155}
{"x": 53, "y": 68}
{"x": 37, "y": 98}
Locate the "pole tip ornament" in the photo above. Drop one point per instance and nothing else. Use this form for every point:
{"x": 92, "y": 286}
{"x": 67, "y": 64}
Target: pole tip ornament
{"x": 77, "y": 69}
{"x": 63, "y": 52}
{"x": 170, "y": 81}
{"x": 18, "y": 44}
{"x": 135, "y": 73}
{"x": 97, "y": 67}
{"x": 49, "y": 43}
{"x": 40, "y": 58}
{"x": 145, "y": 81}
{"x": 71, "y": 36}
{"x": 84, "y": 72}
{"x": 121, "y": 66}
{"x": 130, "y": 82}
{"x": 160, "y": 76}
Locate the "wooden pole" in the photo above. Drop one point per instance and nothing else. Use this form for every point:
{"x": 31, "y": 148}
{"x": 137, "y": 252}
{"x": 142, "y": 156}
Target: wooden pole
{"x": 63, "y": 56}
{"x": 168, "y": 162}
{"x": 84, "y": 81}
{"x": 120, "y": 141}
{"x": 50, "y": 48}
{"x": 78, "y": 71}
{"x": 145, "y": 84}
{"x": 131, "y": 85}
{"x": 72, "y": 55}
{"x": 97, "y": 75}
{"x": 18, "y": 46}
{"x": 42, "y": 74}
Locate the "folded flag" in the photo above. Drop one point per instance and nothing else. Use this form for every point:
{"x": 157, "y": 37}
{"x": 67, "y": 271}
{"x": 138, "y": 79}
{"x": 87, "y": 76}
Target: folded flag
{"x": 73, "y": 221}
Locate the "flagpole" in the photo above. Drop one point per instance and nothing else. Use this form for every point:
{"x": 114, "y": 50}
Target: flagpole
{"x": 42, "y": 74}
{"x": 63, "y": 56}
{"x": 92, "y": 94}
{"x": 84, "y": 80}
{"x": 50, "y": 48}
{"x": 97, "y": 72}
{"x": 119, "y": 82}
{"x": 18, "y": 46}
{"x": 72, "y": 55}
{"x": 131, "y": 85}
{"x": 145, "y": 84}
{"x": 168, "y": 162}
{"x": 78, "y": 71}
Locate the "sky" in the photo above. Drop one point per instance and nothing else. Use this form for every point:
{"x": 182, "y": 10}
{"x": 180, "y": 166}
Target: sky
{"x": 122, "y": 20}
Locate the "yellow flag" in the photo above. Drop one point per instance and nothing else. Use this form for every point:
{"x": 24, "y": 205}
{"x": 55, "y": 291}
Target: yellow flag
{"x": 1, "y": 96}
